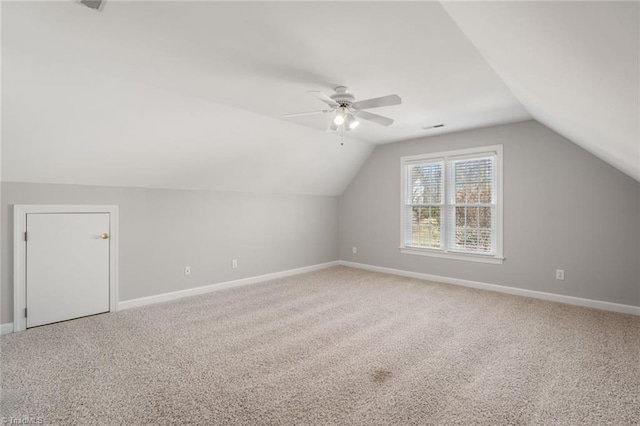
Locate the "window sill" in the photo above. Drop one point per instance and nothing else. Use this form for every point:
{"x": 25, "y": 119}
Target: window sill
{"x": 496, "y": 260}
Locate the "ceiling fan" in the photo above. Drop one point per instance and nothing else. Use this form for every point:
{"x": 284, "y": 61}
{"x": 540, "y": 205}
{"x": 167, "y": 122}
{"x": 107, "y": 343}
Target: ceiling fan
{"x": 348, "y": 111}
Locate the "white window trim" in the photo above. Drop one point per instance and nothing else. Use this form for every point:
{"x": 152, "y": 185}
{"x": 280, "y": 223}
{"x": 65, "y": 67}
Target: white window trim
{"x": 498, "y": 257}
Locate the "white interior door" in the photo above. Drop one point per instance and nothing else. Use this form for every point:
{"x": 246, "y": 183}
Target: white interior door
{"x": 67, "y": 271}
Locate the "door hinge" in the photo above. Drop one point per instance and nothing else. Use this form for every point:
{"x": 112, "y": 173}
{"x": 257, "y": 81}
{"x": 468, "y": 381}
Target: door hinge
{"x": 25, "y": 235}
{"x": 25, "y": 312}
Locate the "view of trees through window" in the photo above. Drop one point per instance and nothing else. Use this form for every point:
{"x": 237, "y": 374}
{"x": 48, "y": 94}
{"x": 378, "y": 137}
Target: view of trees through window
{"x": 473, "y": 204}
{"x": 468, "y": 207}
{"x": 426, "y": 204}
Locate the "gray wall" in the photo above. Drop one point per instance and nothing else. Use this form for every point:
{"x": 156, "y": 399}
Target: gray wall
{"x": 161, "y": 231}
{"x": 563, "y": 209}
{"x": 586, "y": 220}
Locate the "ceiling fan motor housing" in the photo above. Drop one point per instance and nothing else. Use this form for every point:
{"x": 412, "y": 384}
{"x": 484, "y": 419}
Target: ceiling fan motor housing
{"x": 343, "y": 96}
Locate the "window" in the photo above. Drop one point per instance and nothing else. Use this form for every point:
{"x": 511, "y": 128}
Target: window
{"x": 452, "y": 204}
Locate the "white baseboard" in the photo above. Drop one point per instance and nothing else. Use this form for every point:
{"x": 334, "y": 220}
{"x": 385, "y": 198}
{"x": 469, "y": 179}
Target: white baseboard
{"x": 6, "y": 328}
{"x": 165, "y": 297}
{"x": 571, "y": 300}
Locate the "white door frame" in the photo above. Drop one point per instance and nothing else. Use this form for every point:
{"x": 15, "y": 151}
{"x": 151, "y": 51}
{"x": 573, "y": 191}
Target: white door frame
{"x": 20, "y": 212}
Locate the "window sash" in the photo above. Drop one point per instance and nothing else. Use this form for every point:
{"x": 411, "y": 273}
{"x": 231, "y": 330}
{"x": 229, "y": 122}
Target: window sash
{"x": 454, "y": 229}
{"x": 433, "y": 235}
{"x": 470, "y": 233}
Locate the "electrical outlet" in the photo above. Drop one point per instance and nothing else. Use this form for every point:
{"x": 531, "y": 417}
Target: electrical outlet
{"x": 187, "y": 270}
{"x": 559, "y": 274}
{"x": 234, "y": 263}
{"x": 354, "y": 250}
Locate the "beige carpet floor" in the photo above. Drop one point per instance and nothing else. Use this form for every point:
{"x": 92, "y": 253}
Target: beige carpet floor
{"x": 335, "y": 347}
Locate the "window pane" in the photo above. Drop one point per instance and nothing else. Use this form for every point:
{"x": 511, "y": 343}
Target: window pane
{"x": 474, "y": 181}
{"x": 425, "y": 182}
{"x": 485, "y": 217}
{"x": 415, "y": 226}
{"x": 484, "y": 241}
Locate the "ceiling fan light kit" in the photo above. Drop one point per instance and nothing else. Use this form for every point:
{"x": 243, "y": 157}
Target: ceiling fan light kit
{"x": 352, "y": 122}
{"x": 348, "y": 112}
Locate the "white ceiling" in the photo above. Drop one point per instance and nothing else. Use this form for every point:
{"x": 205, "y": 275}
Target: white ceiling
{"x": 573, "y": 65}
{"x": 69, "y": 125}
{"x": 189, "y": 94}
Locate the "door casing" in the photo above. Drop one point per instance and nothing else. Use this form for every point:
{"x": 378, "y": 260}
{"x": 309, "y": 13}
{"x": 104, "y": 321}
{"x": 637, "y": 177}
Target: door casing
{"x": 20, "y": 212}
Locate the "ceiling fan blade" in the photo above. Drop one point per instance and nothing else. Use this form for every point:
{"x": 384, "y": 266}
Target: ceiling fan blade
{"x": 324, "y": 98}
{"x": 93, "y": 4}
{"x": 298, "y": 114}
{"x": 333, "y": 127}
{"x": 378, "y": 102}
{"x": 384, "y": 121}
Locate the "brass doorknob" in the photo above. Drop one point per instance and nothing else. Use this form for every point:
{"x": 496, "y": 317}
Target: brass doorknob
{"x": 105, "y": 236}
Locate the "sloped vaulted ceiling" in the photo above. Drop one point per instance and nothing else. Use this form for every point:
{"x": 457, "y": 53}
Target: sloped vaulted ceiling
{"x": 573, "y": 65}
{"x": 190, "y": 94}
